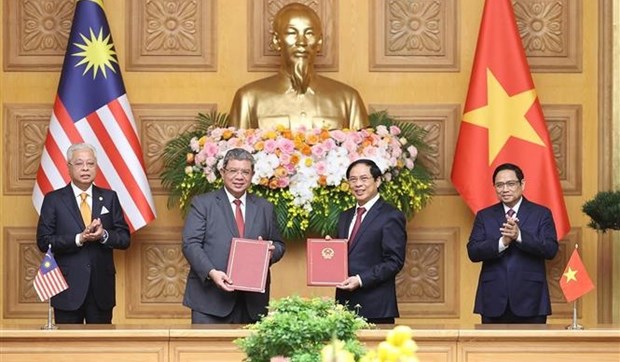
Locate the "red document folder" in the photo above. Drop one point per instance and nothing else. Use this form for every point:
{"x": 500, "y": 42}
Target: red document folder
{"x": 327, "y": 261}
{"x": 248, "y": 264}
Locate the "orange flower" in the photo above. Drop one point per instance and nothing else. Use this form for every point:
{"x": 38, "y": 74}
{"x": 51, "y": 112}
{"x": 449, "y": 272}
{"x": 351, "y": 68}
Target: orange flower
{"x": 312, "y": 139}
{"x": 259, "y": 146}
{"x": 324, "y": 134}
{"x": 322, "y": 180}
{"x": 280, "y": 171}
{"x": 273, "y": 183}
{"x": 263, "y": 181}
{"x": 287, "y": 134}
{"x": 295, "y": 159}
{"x": 189, "y": 159}
{"x": 306, "y": 150}
{"x": 227, "y": 134}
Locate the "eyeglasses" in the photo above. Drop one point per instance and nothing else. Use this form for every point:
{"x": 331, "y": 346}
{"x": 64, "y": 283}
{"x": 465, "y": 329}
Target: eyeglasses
{"x": 81, "y": 164}
{"x": 242, "y": 172}
{"x": 510, "y": 184}
{"x": 362, "y": 179}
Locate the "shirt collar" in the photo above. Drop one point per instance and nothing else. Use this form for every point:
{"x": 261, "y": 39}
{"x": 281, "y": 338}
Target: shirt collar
{"x": 231, "y": 198}
{"x": 370, "y": 203}
{"x": 515, "y": 208}
{"x": 77, "y": 191}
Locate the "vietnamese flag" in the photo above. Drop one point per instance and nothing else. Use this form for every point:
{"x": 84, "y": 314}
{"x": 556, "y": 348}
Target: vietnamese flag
{"x": 575, "y": 281}
{"x": 503, "y": 121}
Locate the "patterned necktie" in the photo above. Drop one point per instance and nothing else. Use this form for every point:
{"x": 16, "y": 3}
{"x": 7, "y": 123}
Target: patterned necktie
{"x": 239, "y": 218}
{"x": 356, "y": 226}
{"x": 510, "y": 212}
{"x": 85, "y": 209}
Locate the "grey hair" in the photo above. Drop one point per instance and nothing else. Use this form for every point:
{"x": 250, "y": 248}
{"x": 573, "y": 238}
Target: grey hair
{"x": 238, "y": 154}
{"x": 80, "y": 147}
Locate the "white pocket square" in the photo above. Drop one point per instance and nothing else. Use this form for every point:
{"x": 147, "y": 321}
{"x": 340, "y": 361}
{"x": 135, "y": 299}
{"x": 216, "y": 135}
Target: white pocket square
{"x": 104, "y": 211}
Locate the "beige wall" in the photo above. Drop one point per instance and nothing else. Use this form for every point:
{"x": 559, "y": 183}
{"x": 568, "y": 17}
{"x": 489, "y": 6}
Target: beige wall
{"x": 418, "y": 90}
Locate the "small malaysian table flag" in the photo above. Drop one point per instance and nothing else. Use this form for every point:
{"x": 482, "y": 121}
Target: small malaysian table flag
{"x": 49, "y": 280}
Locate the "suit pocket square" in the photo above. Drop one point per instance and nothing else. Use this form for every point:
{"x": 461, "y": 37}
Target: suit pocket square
{"x": 104, "y": 211}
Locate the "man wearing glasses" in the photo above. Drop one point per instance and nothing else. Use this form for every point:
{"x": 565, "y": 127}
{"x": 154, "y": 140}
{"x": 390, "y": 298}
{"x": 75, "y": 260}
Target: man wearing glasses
{"x": 83, "y": 224}
{"x": 212, "y": 221}
{"x": 377, "y": 236}
{"x": 512, "y": 239}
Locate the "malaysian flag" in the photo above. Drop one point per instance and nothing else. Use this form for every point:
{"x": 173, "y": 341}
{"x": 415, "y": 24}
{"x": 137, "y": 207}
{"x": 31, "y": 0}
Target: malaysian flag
{"x": 49, "y": 280}
{"x": 92, "y": 106}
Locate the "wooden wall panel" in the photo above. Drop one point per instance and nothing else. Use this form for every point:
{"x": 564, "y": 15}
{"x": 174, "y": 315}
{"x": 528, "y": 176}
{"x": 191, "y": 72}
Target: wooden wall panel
{"x": 427, "y": 286}
{"x": 551, "y": 34}
{"x": 158, "y": 124}
{"x": 441, "y": 123}
{"x": 414, "y": 36}
{"x": 165, "y": 36}
{"x": 25, "y": 128}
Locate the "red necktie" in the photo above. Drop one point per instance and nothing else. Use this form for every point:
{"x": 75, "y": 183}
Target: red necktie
{"x": 239, "y": 218}
{"x": 356, "y": 226}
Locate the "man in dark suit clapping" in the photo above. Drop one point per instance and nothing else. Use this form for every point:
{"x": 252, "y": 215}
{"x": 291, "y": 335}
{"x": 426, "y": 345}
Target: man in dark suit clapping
{"x": 209, "y": 228}
{"x": 512, "y": 239}
{"x": 83, "y": 224}
{"x": 377, "y": 237}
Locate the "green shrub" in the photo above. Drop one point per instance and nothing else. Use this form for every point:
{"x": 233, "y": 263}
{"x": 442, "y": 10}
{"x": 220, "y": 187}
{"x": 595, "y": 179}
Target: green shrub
{"x": 299, "y": 328}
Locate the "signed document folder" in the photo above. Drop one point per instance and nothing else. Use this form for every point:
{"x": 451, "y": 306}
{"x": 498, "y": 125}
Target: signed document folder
{"x": 248, "y": 264}
{"x": 327, "y": 261}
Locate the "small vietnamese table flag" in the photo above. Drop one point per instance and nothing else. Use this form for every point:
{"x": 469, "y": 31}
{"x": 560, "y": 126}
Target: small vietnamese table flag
{"x": 503, "y": 121}
{"x": 49, "y": 280}
{"x": 575, "y": 280}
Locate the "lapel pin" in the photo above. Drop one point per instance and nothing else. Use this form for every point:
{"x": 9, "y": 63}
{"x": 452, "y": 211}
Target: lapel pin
{"x": 100, "y": 198}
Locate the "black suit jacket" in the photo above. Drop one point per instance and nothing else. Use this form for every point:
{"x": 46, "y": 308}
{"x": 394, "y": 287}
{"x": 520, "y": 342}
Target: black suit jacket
{"x": 377, "y": 254}
{"x": 517, "y": 275}
{"x": 59, "y": 222}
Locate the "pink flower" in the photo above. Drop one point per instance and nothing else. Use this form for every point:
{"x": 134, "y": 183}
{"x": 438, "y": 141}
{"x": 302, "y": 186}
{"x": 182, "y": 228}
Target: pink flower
{"x": 338, "y": 135}
{"x": 270, "y": 146}
{"x": 350, "y": 145}
{"x": 409, "y": 163}
{"x": 320, "y": 167}
{"x": 394, "y": 130}
{"x": 382, "y": 130}
{"x": 413, "y": 151}
{"x": 283, "y": 182}
{"x": 318, "y": 151}
{"x": 286, "y": 145}
{"x": 329, "y": 144}
{"x": 210, "y": 149}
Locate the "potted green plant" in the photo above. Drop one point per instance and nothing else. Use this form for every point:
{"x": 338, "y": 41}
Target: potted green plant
{"x": 604, "y": 210}
{"x": 298, "y": 328}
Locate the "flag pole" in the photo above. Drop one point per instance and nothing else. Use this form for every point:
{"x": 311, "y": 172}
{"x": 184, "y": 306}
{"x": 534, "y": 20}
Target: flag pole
{"x": 50, "y": 325}
{"x": 574, "y": 324}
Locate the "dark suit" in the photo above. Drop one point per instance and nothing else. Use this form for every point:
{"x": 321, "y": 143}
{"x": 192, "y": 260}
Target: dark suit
{"x": 207, "y": 234}
{"x": 515, "y": 279}
{"x": 377, "y": 254}
{"x": 90, "y": 265}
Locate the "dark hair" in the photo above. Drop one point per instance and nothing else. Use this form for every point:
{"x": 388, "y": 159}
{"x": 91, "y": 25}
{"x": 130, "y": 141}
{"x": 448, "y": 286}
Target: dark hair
{"x": 238, "y": 154}
{"x": 375, "y": 171}
{"x": 508, "y": 166}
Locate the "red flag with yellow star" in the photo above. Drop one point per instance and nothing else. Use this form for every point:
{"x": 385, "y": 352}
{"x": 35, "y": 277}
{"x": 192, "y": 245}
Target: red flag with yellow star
{"x": 503, "y": 121}
{"x": 575, "y": 281}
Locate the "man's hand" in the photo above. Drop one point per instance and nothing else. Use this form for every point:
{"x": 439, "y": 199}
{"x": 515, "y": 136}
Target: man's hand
{"x": 350, "y": 284}
{"x": 271, "y": 247}
{"x": 93, "y": 232}
{"x": 221, "y": 280}
{"x": 510, "y": 230}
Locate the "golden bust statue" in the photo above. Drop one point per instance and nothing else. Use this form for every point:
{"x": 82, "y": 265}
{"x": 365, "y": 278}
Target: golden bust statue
{"x": 297, "y": 96}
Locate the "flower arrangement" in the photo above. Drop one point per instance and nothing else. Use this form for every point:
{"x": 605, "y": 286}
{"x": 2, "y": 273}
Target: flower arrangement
{"x": 302, "y": 172}
{"x": 398, "y": 346}
{"x": 297, "y": 329}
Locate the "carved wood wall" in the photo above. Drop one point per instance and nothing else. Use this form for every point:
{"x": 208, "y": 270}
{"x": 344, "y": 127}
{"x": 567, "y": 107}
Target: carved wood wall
{"x": 181, "y": 36}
